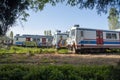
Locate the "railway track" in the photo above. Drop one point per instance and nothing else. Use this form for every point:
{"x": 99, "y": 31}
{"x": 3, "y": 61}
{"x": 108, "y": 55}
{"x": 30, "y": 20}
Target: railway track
{"x": 96, "y": 51}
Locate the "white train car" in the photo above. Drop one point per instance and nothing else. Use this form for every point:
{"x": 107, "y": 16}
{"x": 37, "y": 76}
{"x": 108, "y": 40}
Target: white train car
{"x": 33, "y": 40}
{"x": 18, "y": 40}
{"x": 84, "y": 39}
{"x": 59, "y": 39}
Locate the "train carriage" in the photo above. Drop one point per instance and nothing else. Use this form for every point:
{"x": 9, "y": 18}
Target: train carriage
{"x": 84, "y": 39}
{"x": 59, "y": 39}
{"x": 33, "y": 40}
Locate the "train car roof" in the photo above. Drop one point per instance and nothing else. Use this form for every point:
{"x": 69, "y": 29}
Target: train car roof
{"x": 33, "y": 36}
{"x": 81, "y": 28}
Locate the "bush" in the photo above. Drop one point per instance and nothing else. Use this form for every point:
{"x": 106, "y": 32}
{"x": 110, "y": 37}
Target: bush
{"x": 12, "y": 72}
{"x": 21, "y": 50}
{"x": 63, "y": 72}
{"x": 48, "y": 50}
{"x": 2, "y": 51}
{"x": 63, "y": 51}
{"x": 30, "y": 43}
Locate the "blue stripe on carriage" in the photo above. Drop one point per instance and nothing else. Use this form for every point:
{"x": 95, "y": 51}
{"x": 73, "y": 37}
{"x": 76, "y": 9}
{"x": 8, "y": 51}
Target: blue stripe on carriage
{"x": 18, "y": 43}
{"x": 87, "y": 42}
{"x": 111, "y": 42}
{"x": 94, "y": 42}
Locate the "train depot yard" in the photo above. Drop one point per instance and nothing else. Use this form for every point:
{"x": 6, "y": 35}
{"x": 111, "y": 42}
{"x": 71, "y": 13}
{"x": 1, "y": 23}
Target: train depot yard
{"x": 76, "y": 39}
{"x": 90, "y": 46}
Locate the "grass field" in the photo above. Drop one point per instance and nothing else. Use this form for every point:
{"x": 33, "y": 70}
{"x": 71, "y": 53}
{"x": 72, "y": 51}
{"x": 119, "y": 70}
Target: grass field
{"x": 21, "y": 55}
{"x": 18, "y": 63}
{"x": 34, "y": 50}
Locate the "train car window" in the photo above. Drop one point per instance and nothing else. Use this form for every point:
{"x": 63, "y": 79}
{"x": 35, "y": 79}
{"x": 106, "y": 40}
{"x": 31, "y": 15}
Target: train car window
{"x": 34, "y": 39}
{"x": 55, "y": 36}
{"x": 38, "y": 39}
{"x": 81, "y": 33}
{"x": 97, "y": 34}
{"x": 114, "y": 36}
{"x": 17, "y": 39}
{"x": 67, "y": 35}
{"x": 49, "y": 39}
{"x": 111, "y": 36}
{"x": 108, "y": 36}
{"x": 72, "y": 32}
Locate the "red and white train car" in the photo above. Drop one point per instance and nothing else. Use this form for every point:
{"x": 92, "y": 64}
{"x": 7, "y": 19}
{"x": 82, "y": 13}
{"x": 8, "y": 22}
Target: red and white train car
{"x": 84, "y": 39}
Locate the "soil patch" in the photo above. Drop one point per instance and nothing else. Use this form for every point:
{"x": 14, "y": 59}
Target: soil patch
{"x": 59, "y": 59}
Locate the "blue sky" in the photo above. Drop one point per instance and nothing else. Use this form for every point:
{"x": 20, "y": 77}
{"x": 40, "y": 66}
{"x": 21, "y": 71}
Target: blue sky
{"x": 60, "y": 17}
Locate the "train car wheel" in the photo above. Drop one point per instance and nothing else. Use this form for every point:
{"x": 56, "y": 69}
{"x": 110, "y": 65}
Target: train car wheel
{"x": 77, "y": 51}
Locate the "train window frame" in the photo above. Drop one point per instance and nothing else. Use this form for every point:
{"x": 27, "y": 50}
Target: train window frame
{"x": 111, "y": 36}
{"x": 49, "y": 39}
{"x": 68, "y": 35}
{"x": 114, "y": 36}
{"x": 81, "y": 33}
{"x": 73, "y": 32}
{"x": 34, "y": 39}
{"x": 16, "y": 38}
{"x": 38, "y": 39}
{"x": 108, "y": 36}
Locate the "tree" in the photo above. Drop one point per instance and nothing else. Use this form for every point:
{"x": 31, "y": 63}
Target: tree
{"x": 11, "y": 35}
{"x": 113, "y": 18}
{"x": 99, "y": 5}
{"x": 49, "y": 32}
{"x": 45, "y": 32}
{"x": 10, "y": 10}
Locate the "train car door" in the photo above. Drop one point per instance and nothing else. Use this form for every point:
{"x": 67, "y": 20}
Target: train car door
{"x": 44, "y": 40}
{"x": 28, "y": 38}
{"x": 99, "y": 37}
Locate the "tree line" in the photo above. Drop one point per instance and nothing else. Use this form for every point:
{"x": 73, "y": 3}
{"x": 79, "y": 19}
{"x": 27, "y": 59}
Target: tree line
{"x": 11, "y": 10}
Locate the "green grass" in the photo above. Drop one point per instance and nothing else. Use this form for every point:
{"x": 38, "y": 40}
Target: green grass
{"x": 48, "y": 50}
{"x": 34, "y": 50}
{"x": 63, "y": 51}
{"x": 20, "y": 50}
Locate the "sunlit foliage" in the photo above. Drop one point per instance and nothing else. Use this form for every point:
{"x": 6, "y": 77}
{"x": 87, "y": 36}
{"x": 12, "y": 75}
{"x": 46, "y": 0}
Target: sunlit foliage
{"x": 11, "y": 10}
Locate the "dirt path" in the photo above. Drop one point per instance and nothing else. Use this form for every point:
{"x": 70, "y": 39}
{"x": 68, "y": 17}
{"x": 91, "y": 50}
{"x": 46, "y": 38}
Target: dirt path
{"x": 58, "y": 59}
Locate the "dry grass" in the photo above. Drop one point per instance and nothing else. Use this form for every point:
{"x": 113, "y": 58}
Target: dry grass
{"x": 58, "y": 59}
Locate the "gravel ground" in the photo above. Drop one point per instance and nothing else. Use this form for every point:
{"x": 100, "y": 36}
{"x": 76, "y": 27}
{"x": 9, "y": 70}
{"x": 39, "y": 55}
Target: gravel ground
{"x": 59, "y": 59}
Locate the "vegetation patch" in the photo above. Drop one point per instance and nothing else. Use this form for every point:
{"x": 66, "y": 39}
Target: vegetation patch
{"x": 20, "y": 50}
{"x": 34, "y": 50}
{"x": 63, "y": 72}
{"x": 63, "y": 51}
